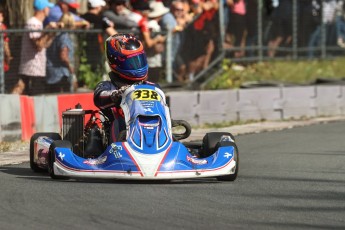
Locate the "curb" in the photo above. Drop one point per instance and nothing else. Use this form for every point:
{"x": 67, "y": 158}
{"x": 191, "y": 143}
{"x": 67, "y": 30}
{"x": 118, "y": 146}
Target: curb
{"x": 9, "y": 158}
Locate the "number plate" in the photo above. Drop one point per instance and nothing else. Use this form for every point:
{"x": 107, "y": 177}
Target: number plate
{"x": 145, "y": 95}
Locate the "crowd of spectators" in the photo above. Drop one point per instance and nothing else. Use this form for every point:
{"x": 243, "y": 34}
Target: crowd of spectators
{"x": 47, "y": 61}
{"x": 312, "y": 16}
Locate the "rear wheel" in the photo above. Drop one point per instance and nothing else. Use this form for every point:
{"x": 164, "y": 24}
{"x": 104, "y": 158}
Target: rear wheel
{"x": 51, "y": 159}
{"x": 33, "y": 165}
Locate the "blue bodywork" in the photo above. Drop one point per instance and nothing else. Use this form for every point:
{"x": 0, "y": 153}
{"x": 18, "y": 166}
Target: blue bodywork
{"x": 149, "y": 151}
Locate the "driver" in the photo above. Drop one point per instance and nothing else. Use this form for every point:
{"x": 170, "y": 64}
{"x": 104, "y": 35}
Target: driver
{"x": 127, "y": 60}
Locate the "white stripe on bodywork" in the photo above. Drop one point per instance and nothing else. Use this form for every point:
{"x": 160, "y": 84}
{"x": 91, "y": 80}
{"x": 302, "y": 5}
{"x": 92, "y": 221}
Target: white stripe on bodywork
{"x": 148, "y": 163}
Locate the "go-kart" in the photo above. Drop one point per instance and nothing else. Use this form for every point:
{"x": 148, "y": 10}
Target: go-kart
{"x": 147, "y": 150}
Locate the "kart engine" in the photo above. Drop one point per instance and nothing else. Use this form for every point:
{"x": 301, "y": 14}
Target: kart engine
{"x": 88, "y": 141}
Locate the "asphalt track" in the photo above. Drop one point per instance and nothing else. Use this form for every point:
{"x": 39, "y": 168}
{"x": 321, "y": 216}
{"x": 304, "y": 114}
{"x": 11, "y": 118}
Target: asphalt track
{"x": 288, "y": 179}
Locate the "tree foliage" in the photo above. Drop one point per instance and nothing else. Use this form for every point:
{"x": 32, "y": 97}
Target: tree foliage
{"x": 18, "y": 12}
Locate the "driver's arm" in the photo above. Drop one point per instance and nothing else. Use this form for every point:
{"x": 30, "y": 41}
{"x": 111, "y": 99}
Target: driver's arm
{"x": 107, "y": 95}
{"x": 102, "y": 96}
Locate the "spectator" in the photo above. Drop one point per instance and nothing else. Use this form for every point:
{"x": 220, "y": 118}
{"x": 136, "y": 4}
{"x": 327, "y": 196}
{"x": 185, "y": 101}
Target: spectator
{"x": 117, "y": 14}
{"x": 251, "y": 26}
{"x": 19, "y": 87}
{"x": 328, "y": 19}
{"x": 60, "y": 59}
{"x": 210, "y": 12}
{"x": 94, "y": 42}
{"x": 195, "y": 7}
{"x": 141, "y": 8}
{"x": 168, "y": 21}
{"x": 200, "y": 37}
{"x": 237, "y": 26}
{"x": 66, "y": 6}
{"x": 167, "y": 3}
{"x": 179, "y": 9}
{"x": 309, "y": 18}
{"x": 7, "y": 52}
{"x": 281, "y": 32}
{"x": 340, "y": 24}
{"x": 32, "y": 68}
{"x": 154, "y": 53}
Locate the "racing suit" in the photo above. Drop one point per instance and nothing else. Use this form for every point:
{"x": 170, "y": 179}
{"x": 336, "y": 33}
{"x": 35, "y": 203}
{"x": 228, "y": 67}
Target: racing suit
{"x": 107, "y": 97}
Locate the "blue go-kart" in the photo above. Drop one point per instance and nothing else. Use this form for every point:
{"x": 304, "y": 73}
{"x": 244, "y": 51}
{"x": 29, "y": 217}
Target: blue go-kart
{"x": 147, "y": 150}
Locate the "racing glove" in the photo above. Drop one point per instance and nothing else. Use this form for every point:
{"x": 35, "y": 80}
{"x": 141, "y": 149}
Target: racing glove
{"x": 117, "y": 93}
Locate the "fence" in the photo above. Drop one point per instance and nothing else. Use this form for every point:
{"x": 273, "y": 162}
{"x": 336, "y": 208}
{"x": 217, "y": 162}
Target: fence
{"x": 292, "y": 30}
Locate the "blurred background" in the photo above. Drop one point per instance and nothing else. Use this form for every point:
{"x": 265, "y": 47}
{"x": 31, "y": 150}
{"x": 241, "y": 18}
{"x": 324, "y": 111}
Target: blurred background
{"x": 205, "y": 44}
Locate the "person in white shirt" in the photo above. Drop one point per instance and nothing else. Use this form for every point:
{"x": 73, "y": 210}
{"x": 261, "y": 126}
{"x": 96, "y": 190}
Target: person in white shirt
{"x": 32, "y": 68}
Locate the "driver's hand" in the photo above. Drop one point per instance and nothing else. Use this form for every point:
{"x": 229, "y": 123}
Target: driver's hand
{"x": 123, "y": 88}
{"x": 117, "y": 93}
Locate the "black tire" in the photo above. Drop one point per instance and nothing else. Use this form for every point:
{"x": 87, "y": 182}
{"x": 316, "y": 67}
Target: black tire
{"x": 51, "y": 159}
{"x": 210, "y": 141}
{"x": 185, "y": 125}
{"x": 231, "y": 177}
{"x": 33, "y": 165}
{"x": 193, "y": 144}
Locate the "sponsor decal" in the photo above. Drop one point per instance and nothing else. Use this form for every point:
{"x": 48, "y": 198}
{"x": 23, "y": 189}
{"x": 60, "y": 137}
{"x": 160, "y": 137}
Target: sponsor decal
{"x": 148, "y": 110}
{"x": 197, "y": 161}
{"x": 227, "y": 155}
{"x": 61, "y": 156}
{"x": 115, "y": 149}
{"x": 97, "y": 161}
{"x": 148, "y": 104}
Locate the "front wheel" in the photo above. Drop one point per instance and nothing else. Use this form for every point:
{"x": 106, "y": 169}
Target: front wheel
{"x": 51, "y": 160}
{"x": 33, "y": 165}
{"x": 231, "y": 177}
{"x": 211, "y": 140}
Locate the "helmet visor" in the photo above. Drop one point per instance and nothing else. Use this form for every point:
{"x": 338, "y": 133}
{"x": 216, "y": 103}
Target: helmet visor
{"x": 134, "y": 62}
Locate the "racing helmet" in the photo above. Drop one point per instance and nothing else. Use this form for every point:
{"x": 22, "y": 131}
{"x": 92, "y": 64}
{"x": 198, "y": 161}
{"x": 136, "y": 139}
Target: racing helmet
{"x": 126, "y": 57}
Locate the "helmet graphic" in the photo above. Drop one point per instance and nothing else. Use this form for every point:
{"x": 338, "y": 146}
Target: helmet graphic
{"x": 126, "y": 57}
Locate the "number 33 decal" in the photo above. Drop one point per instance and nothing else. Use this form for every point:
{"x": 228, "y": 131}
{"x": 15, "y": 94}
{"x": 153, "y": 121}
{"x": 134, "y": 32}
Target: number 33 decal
{"x": 145, "y": 94}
